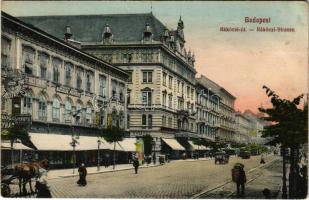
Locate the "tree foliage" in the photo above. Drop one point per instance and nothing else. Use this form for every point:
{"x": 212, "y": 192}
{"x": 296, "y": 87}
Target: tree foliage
{"x": 198, "y": 141}
{"x": 113, "y": 134}
{"x": 15, "y": 133}
{"x": 289, "y": 123}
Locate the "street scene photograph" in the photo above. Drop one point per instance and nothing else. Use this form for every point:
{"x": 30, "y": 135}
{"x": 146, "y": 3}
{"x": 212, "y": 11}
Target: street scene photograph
{"x": 154, "y": 99}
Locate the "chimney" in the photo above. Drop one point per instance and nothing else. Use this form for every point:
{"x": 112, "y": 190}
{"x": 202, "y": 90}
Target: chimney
{"x": 68, "y": 33}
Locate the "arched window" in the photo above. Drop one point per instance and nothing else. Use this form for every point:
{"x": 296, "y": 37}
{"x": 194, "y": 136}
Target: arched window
{"x": 67, "y": 111}
{"x": 56, "y": 109}
{"x": 89, "y": 114}
{"x": 42, "y": 108}
{"x": 27, "y": 107}
{"x": 78, "y": 118}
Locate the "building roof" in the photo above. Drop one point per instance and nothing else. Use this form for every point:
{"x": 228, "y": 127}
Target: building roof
{"x": 89, "y": 28}
{"x": 203, "y": 80}
{"x": 8, "y": 20}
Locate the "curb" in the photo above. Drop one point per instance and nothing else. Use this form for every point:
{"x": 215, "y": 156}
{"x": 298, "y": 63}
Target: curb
{"x": 100, "y": 172}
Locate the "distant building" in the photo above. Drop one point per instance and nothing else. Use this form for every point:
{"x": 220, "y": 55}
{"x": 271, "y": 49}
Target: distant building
{"x": 243, "y": 128}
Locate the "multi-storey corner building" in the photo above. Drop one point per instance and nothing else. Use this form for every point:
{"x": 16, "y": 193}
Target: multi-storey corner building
{"x": 65, "y": 89}
{"x": 161, "y": 90}
{"x": 215, "y": 108}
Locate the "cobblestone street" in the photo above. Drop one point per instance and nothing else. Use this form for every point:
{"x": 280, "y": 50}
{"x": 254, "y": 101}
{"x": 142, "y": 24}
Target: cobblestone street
{"x": 178, "y": 179}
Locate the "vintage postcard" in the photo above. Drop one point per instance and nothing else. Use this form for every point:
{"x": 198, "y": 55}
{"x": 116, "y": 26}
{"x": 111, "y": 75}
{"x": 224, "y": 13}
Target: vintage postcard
{"x": 154, "y": 99}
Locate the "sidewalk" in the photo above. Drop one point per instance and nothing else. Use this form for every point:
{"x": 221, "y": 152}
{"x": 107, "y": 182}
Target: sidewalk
{"x": 271, "y": 178}
{"x": 63, "y": 173}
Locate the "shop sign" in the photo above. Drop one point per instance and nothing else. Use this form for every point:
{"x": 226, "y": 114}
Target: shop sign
{"x": 68, "y": 91}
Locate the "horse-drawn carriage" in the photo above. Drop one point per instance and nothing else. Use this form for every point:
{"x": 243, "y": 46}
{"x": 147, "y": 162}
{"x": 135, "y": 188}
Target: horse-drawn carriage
{"x": 6, "y": 180}
{"x": 20, "y": 175}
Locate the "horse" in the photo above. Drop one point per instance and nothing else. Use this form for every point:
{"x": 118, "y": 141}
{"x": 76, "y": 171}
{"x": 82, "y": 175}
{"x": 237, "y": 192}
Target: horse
{"x": 26, "y": 171}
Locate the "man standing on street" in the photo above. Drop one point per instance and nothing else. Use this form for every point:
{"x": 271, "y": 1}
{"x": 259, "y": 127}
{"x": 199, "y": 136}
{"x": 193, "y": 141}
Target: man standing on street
{"x": 239, "y": 176}
{"x": 82, "y": 175}
{"x": 135, "y": 164}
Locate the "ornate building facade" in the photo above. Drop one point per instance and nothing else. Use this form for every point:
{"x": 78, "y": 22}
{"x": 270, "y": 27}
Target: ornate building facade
{"x": 65, "y": 89}
{"x": 161, "y": 89}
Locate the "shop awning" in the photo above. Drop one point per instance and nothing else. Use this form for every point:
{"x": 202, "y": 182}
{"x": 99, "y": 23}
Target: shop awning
{"x": 127, "y": 144}
{"x": 194, "y": 146}
{"x": 58, "y": 142}
{"x": 173, "y": 144}
{"x": 16, "y": 146}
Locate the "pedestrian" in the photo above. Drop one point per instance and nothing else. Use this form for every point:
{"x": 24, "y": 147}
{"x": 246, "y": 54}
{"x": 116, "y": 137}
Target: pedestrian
{"x": 42, "y": 188}
{"x": 183, "y": 155}
{"x": 266, "y": 193}
{"x": 303, "y": 183}
{"x": 135, "y": 164}
{"x": 148, "y": 159}
{"x": 239, "y": 177}
{"x": 262, "y": 160}
{"x": 82, "y": 175}
{"x": 154, "y": 159}
{"x": 106, "y": 160}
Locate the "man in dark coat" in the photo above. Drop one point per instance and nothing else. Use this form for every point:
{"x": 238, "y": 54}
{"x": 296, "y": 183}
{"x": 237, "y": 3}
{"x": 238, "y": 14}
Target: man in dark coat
{"x": 240, "y": 182}
{"x": 135, "y": 164}
{"x": 82, "y": 175}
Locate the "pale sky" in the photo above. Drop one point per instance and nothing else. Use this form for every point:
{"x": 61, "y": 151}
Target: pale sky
{"x": 240, "y": 62}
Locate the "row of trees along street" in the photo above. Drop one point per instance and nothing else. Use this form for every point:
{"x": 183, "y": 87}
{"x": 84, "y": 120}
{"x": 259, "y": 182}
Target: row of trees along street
{"x": 289, "y": 128}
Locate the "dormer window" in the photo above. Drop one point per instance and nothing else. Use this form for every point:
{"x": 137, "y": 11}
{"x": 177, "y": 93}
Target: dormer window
{"x": 107, "y": 34}
{"x": 166, "y": 35}
{"x": 147, "y": 33}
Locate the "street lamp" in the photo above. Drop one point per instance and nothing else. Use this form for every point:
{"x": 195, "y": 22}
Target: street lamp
{"x": 73, "y": 144}
{"x": 99, "y": 143}
{"x": 154, "y": 151}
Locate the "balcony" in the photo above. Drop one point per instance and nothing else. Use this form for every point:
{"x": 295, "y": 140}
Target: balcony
{"x": 183, "y": 112}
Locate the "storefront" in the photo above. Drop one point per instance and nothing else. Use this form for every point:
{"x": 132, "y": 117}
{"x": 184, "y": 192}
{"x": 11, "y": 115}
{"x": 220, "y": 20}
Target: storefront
{"x": 172, "y": 148}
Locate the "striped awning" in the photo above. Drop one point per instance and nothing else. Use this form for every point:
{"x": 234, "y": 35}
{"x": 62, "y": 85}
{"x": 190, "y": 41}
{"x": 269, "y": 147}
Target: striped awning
{"x": 174, "y": 144}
